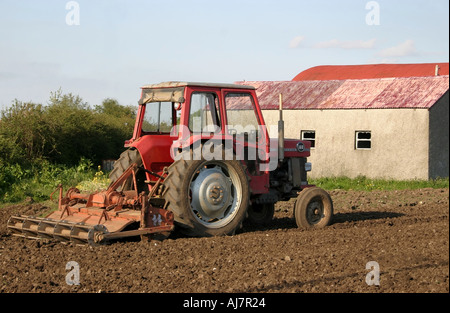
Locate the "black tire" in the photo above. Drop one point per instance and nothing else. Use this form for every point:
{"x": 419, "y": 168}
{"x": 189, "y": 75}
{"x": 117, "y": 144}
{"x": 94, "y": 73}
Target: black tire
{"x": 127, "y": 158}
{"x": 313, "y": 208}
{"x": 260, "y": 214}
{"x": 202, "y": 200}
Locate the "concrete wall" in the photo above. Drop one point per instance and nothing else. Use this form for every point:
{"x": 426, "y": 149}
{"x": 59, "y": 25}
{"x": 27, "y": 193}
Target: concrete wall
{"x": 439, "y": 138}
{"x": 399, "y": 141}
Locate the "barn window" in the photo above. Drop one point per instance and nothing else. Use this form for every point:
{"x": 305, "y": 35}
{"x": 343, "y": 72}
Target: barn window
{"x": 309, "y": 135}
{"x": 363, "y": 140}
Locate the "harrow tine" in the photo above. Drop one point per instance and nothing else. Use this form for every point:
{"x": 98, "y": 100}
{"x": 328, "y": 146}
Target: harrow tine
{"x": 23, "y": 226}
{"x": 64, "y": 231}
{"x": 46, "y": 229}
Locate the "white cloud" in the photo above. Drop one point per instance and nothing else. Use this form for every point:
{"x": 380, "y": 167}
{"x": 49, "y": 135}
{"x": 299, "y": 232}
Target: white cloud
{"x": 352, "y": 44}
{"x": 295, "y": 43}
{"x": 327, "y": 44}
{"x": 406, "y": 48}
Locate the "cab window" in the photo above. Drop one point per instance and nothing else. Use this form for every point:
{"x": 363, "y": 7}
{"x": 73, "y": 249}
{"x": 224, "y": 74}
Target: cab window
{"x": 158, "y": 117}
{"x": 204, "y": 113}
{"x": 241, "y": 113}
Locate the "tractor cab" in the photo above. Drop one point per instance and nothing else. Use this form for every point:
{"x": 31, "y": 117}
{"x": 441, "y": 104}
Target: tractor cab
{"x": 176, "y": 116}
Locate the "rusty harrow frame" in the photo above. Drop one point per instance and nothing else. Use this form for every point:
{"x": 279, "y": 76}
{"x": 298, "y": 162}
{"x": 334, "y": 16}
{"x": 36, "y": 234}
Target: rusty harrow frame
{"x": 100, "y": 217}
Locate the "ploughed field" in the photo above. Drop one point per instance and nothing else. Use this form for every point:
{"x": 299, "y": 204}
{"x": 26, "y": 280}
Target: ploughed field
{"x": 405, "y": 232}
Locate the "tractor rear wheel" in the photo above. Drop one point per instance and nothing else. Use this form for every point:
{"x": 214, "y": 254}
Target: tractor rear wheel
{"x": 207, "y": 197}
{"x": 313, "y": 208}
{"x": 127, "y": 158}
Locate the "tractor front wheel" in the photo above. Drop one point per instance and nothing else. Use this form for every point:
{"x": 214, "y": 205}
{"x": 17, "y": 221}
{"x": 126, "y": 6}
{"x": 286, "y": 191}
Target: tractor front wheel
{"x": 313, "y": 208}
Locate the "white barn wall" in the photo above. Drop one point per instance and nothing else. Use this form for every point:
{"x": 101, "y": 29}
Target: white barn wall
{"x": 399, "y": 141}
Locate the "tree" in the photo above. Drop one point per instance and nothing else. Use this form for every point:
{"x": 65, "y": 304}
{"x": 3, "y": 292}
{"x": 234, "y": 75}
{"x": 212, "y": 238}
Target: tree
{"x": 113, "y": 108}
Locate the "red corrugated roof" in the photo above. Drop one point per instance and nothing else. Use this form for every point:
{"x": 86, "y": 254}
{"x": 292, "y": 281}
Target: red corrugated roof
{"x": 339, "y": 72}
{"x": 385, "y": 93}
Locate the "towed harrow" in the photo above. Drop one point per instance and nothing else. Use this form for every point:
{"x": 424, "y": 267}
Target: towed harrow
{"x": 100, "y": 217}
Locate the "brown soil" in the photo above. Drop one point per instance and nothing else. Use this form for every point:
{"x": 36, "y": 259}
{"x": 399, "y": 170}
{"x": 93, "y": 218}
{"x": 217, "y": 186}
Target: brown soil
{"x": 405, "y": 232}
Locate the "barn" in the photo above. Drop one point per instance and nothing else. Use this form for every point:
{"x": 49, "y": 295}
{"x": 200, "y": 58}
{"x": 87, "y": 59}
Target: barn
{"x": 383, "y": 124}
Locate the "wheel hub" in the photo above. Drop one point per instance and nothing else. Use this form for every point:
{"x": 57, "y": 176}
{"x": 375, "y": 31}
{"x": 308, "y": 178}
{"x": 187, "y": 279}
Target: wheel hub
{"x": 215, "y": 194}
{"x": 315, "y": 212}
{"x": 211, "y": 193}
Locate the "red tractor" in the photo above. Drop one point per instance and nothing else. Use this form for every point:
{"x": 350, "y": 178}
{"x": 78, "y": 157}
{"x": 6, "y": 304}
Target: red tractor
{"x": 201, "y": 160}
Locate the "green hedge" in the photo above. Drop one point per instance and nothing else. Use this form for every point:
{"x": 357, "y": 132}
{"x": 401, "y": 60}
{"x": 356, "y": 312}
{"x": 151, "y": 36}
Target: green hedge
{"x": 42, "y": 146}
{"x": 40, "y": 179}
{"x": 63, "y": 131}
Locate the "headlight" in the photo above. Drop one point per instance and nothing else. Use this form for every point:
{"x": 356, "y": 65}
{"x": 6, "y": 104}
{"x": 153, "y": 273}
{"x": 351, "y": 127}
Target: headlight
{"x": 300, "y": 146}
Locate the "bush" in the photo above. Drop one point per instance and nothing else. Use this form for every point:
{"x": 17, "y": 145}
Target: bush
{"x": 39, "y": 181}
{"x": 42, "y": 146}
{"x": 25, "y": 133}
{"x": 64, "y": 131}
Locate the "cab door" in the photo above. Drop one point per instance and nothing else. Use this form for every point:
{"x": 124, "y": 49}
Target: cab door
{"x": 245, "y": 126}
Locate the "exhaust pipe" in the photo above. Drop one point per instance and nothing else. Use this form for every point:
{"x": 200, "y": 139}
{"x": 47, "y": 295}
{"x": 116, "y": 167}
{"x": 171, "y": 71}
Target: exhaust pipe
{"x": 281, "y": 132}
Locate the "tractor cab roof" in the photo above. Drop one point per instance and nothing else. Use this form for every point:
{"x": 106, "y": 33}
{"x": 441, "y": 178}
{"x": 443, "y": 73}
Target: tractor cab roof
{"x": 174, "y": 84}
{"x": 174, "y": 91}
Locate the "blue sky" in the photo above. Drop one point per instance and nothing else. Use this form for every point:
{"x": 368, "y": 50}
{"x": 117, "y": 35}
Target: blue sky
{"x": 119, "y": 46}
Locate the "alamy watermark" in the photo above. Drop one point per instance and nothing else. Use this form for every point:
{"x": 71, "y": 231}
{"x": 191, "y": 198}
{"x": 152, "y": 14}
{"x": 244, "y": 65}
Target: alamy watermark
{"x": 373, "y": 277}
{"x": 73, "y": 277}
{"x": 73, "y": 16}
{"x": 373, "y": 16}
{"x": 243, "y": 143}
